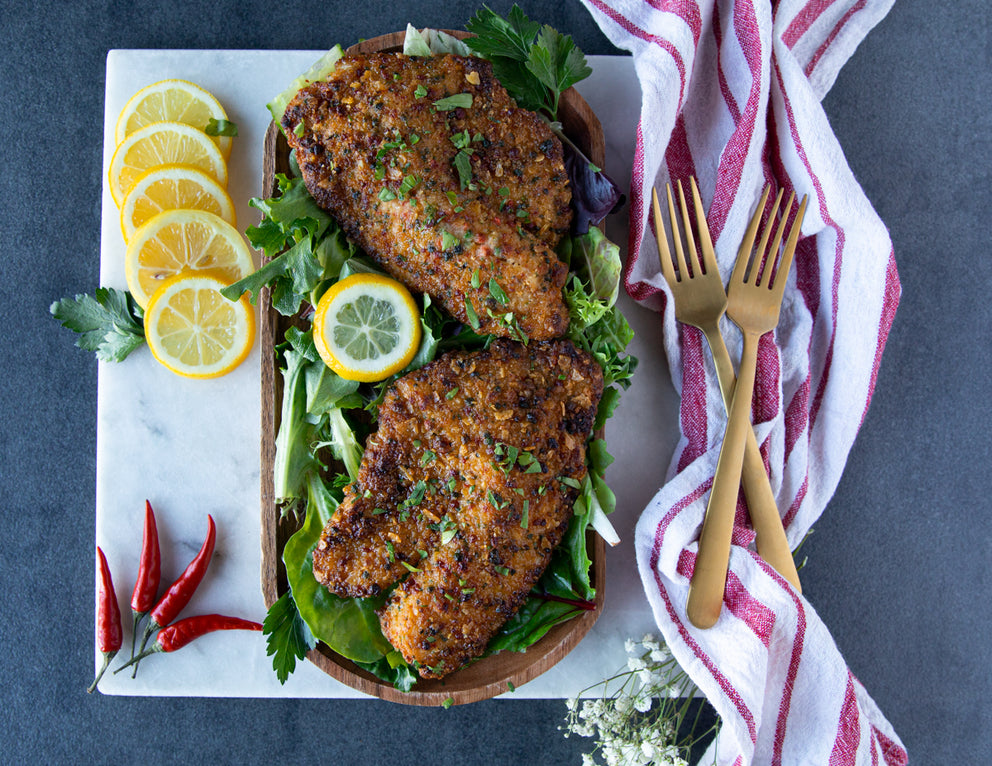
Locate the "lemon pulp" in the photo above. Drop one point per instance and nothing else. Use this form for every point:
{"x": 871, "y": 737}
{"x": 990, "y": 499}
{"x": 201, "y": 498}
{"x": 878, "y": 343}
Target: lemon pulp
{"x": 367, "y": 327}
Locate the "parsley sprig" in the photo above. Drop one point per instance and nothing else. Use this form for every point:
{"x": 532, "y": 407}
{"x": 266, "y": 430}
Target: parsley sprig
{"x": 287, "y": 637}
{"x": 109, "y": 322}
{"x": 535, "y": 63}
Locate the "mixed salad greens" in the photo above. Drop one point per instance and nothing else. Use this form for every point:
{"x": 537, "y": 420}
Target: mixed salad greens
{"x": 325, "y": 419}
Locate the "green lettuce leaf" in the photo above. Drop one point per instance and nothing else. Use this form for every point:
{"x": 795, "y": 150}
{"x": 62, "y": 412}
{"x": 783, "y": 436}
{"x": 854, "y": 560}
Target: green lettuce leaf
{"x": 349, "y": 626}
{"x": 317, "y": 71}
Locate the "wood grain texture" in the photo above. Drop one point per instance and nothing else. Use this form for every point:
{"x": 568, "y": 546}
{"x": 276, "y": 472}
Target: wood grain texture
{"x": 489, "y": 676}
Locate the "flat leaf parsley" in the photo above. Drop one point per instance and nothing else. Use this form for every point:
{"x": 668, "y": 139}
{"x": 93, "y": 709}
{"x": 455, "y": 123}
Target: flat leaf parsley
{"x": 109, "y": 322}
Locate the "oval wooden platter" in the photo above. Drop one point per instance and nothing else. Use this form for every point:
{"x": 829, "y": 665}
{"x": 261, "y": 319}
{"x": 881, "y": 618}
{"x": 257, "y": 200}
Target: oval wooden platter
{"x": 489, "y": 676}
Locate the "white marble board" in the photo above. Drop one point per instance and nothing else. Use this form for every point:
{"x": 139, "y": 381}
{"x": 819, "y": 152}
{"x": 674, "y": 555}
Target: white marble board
{"x": 192, "y": 447}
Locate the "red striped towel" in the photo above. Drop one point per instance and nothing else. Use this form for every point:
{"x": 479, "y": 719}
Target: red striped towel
{"x": 731, "y": 94}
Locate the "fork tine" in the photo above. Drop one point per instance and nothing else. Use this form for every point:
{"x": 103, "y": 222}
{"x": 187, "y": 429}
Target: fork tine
{"x": 676, "y": 236}
{"x": 782, "y": 272}
{"x": 664, "y": 254}
{"x": 763, "y": 257}
{"x": 744, "y": 253}
{"x": 705, "y": 243}
{"x": 687, "y": 229}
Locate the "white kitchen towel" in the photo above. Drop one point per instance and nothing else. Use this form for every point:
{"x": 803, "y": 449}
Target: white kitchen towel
{"x": 731, "y": 95}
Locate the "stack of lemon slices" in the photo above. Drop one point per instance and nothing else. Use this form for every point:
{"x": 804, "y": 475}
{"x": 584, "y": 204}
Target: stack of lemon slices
{"x": 168, "y": 177}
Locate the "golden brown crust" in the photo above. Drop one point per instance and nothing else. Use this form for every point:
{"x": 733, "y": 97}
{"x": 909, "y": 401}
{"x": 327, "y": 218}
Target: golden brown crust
{"x": 462, "y": 482}
{"x": 379, "y": 154}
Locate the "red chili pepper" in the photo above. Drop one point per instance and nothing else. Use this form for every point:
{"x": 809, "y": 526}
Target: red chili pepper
{"x": 176, "y": 636}
{"x": 149, "y": 573}
{"x": 109, "y": 634}
{"x": 181, "y": 591}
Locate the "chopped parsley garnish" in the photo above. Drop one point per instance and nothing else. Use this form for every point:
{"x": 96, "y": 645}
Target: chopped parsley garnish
{"x": 451, "y": 395}
{"x": 448, "y": 530}
{"x": 448, "y": 240}
{"x": 496, "y": 501}
{"x": 473, "y": 318}
{"x": 408, "y": 184}
{"x": 415, "y": 497}
{"x": 463, "y": 164}
{"x": 498, "y": 293}
{"x": 461, "y": 140}
{"x": 217, "y": 127}
{"x": 420, "y": 91}
{"x": 457, "y": 101}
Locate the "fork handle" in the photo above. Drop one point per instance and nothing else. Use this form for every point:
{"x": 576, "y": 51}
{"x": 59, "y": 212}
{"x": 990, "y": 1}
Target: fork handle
{"x": 770, "y": 539}
{"x": 709, "y": 577}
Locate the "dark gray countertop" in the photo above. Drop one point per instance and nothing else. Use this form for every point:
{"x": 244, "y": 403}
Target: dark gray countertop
{"x": 897, "y": 565}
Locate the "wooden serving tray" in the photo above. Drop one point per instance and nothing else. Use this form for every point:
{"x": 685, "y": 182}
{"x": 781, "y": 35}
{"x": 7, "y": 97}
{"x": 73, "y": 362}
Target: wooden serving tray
{"x": 487, "y": 677}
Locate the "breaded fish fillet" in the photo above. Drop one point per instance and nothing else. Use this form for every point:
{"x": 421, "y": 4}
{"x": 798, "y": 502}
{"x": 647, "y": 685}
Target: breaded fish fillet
{"x": 460, "y": 491}
{"x": 432, "y": 169}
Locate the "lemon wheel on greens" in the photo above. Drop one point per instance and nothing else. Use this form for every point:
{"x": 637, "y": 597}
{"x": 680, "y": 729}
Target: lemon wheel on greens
{"x": 183, "y": 240}
{"x": 367, "y": 327}
{"x": 172, "y": 101}
{"x": 173, "y": 187}
{"x": 194, "y": 330}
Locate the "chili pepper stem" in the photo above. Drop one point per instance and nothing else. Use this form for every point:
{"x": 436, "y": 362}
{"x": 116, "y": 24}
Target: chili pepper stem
{"x": 107, "y": 657}
{"x": 150, "y": 628}
{"x": 138, "y": 617}
{"x": 135, "y": 660}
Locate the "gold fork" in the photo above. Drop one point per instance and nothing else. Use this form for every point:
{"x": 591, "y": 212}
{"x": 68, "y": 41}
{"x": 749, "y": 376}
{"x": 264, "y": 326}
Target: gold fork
{"x": 754, "y": 295}
{"x": 700, "y": 300}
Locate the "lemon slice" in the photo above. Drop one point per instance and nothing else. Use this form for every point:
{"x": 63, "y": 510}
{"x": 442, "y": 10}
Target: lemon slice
{"x": 172, "y": 101}
{"x": 367, "y": 327}
{"x": 173, "y": 187}
{"x": 163, "y": 143}
{"x": 194, "y": 330}
{"x": 183, "y": 240}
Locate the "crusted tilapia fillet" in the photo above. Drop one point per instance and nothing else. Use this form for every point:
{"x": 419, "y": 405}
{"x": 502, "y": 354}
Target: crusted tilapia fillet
{"x": 460, "y": 492}
{"x": 432, "y": 169}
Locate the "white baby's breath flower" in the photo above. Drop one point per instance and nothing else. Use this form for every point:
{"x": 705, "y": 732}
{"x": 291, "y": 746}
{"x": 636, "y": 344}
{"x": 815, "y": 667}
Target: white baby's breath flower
{"x": 660, "y": 654}
{"x": 636, "y": 663}
{"x": 624, "y": 705}
{"x": 629, "y": 729}
{"x": 643, "y": 703}
{"x": 632, "y": 754}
